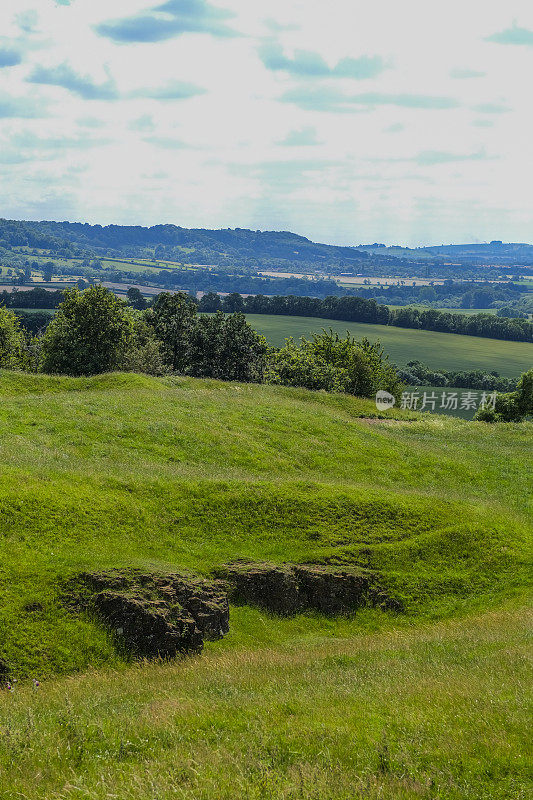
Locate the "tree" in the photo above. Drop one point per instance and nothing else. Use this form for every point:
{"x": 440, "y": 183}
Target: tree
{"x": 90, "y": 333}
{"x": 171, "y": 318}
{"x": 136, "y": 299}
{"x": 513, "y": 406}
{"x": 227, "y": 348}
{"x": 12, "y": 340}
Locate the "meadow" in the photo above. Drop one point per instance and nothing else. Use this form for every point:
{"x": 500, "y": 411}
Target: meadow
{"x": 127, "y": 470}
{"x": 439, "y": 350}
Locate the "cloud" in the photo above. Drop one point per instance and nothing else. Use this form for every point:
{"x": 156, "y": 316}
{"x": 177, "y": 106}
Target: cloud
{"x": 396, "y": 127}
{"x": 431, "y": 157}
{"x": 175, "y": 90}
{"x": 9, "y": 56}
{"x": 305, "y": 137}
{"x": 514, "y": 35}
{"x": 27, "y": 20}
{"x": 20, "y": 107}
{"x": 167, "y": 21}
{"x": 491, "y": 108}
{"x": 143, "y": 123}
{"x": 324, "y": 99}
{"x": 308, "y": 64}
{"x": 464, "y": 74}
{"x": 168, "y": 143}
{"x": 30, "y": 141}
{"x": 65, "y": 77}
{"x": 278, "y": 27}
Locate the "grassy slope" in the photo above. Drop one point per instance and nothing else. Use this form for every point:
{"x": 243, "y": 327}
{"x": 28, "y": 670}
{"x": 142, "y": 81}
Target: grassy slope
{"x": 125, "y": 469}
{"x": 440, "y": 350}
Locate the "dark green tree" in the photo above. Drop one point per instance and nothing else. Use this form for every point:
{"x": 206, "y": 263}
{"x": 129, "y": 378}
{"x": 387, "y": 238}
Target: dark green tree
{"x": 136, "y": 299}
{"x": 91, "y": 333}
{"x": 171, "y": 318}
{"x": 227, "y": 348}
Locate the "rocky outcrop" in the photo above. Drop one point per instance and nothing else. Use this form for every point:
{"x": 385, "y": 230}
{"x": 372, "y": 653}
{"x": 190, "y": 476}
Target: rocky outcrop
{"x": 291, "y": 588}
{"x": 154, "y": 614}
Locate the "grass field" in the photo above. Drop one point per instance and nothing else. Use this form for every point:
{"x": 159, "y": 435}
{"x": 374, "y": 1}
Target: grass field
{"x": 123, "y": 470}
{"x": 440, "y": 350}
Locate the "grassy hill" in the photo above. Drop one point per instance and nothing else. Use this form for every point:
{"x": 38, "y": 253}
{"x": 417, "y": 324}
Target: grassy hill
{"x": 449, "y": 351}
{"x": 126, "y": 470}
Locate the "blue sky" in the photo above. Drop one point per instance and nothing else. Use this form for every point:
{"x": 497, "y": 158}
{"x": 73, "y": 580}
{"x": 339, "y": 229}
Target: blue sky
{"x": 348, "y": 122}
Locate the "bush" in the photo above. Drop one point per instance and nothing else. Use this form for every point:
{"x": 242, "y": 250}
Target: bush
{"x": 91, "y": 333}
{"x": 513, "y": 406}
{"x": 12, "y": 340}
{"x": 146, "y": 352}
{"x": 333, "y": 363}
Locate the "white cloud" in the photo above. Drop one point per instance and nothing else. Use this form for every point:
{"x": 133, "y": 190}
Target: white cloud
{"x": 190, "y": 127}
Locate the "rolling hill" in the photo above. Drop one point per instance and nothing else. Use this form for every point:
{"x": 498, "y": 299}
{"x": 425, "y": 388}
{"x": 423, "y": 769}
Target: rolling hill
{"x": 176, "y": 473}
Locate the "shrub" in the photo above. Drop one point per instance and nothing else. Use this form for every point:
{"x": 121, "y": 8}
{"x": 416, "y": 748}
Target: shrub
{"x": 12, "y": 340}
{"x": 333, "y": 363}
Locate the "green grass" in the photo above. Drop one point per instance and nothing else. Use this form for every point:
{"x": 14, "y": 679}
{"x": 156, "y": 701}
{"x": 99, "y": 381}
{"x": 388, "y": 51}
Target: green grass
{"x": 124, "y": 469}
{"x": 439, "y": 713}
{"x": 127, "y": 470}
{"x": 439, "y": 350}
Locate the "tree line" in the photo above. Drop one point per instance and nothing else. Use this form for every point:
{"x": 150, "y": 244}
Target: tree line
{"x": 358, "y": 309}
{"x": 93, "y": 331}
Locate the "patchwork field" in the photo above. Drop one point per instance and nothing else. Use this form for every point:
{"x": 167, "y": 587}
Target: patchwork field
{"x": 440, "y": 350}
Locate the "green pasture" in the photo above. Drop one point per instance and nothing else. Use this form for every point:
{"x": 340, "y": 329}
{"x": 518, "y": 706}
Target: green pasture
{"x": 440, "y": 350}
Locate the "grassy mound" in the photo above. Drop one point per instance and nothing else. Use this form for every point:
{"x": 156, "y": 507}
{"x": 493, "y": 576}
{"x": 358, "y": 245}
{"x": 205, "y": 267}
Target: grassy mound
{"x": 126, "y": 470}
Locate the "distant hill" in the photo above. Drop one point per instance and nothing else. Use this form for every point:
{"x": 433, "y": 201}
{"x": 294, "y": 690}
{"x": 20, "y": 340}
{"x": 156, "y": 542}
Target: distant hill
{"x": 278, "y": 250}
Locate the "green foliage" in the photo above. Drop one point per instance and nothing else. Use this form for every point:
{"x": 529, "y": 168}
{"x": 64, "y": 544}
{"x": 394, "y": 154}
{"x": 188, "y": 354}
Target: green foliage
{"x": 171, "y": 318}
{"x": 227, "y": 348}
{"x": 513, "y": 406}
{"x": 146, "y": 353}
{"x": 90, "y": 333}
{"x": 12, "y": 340}
{"x": 334, "y": 363}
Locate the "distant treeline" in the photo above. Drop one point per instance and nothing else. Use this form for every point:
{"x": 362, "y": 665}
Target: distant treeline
{"x": 31, "y": 298}
{"x": 415, "y": 373}
{"x": 357, "y": 309}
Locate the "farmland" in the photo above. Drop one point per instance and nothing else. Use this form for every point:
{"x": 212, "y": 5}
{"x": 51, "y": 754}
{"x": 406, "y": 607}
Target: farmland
{"x": 439, "y": 350}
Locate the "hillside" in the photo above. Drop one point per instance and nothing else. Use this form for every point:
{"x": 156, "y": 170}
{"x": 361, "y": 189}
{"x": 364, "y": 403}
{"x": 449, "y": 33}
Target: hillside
{"x": 166, "y": 474}
{"x": 281, "y": 250}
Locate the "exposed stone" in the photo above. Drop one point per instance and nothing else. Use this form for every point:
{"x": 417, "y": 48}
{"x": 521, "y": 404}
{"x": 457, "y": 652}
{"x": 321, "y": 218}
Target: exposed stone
{"x": 267, "y": 585}
{"x": 290, "y": 588}
{"x": 154, "y": 614}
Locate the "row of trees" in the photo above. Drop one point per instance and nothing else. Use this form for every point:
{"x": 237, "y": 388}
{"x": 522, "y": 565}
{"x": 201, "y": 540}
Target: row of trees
{"x": 93, "y": 332}
{"x": 416, "y": 373}
{"x": 358, "y": 309}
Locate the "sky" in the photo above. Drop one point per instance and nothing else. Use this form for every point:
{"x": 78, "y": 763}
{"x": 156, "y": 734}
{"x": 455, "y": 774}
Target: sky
{"x": 394, "y": 121}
